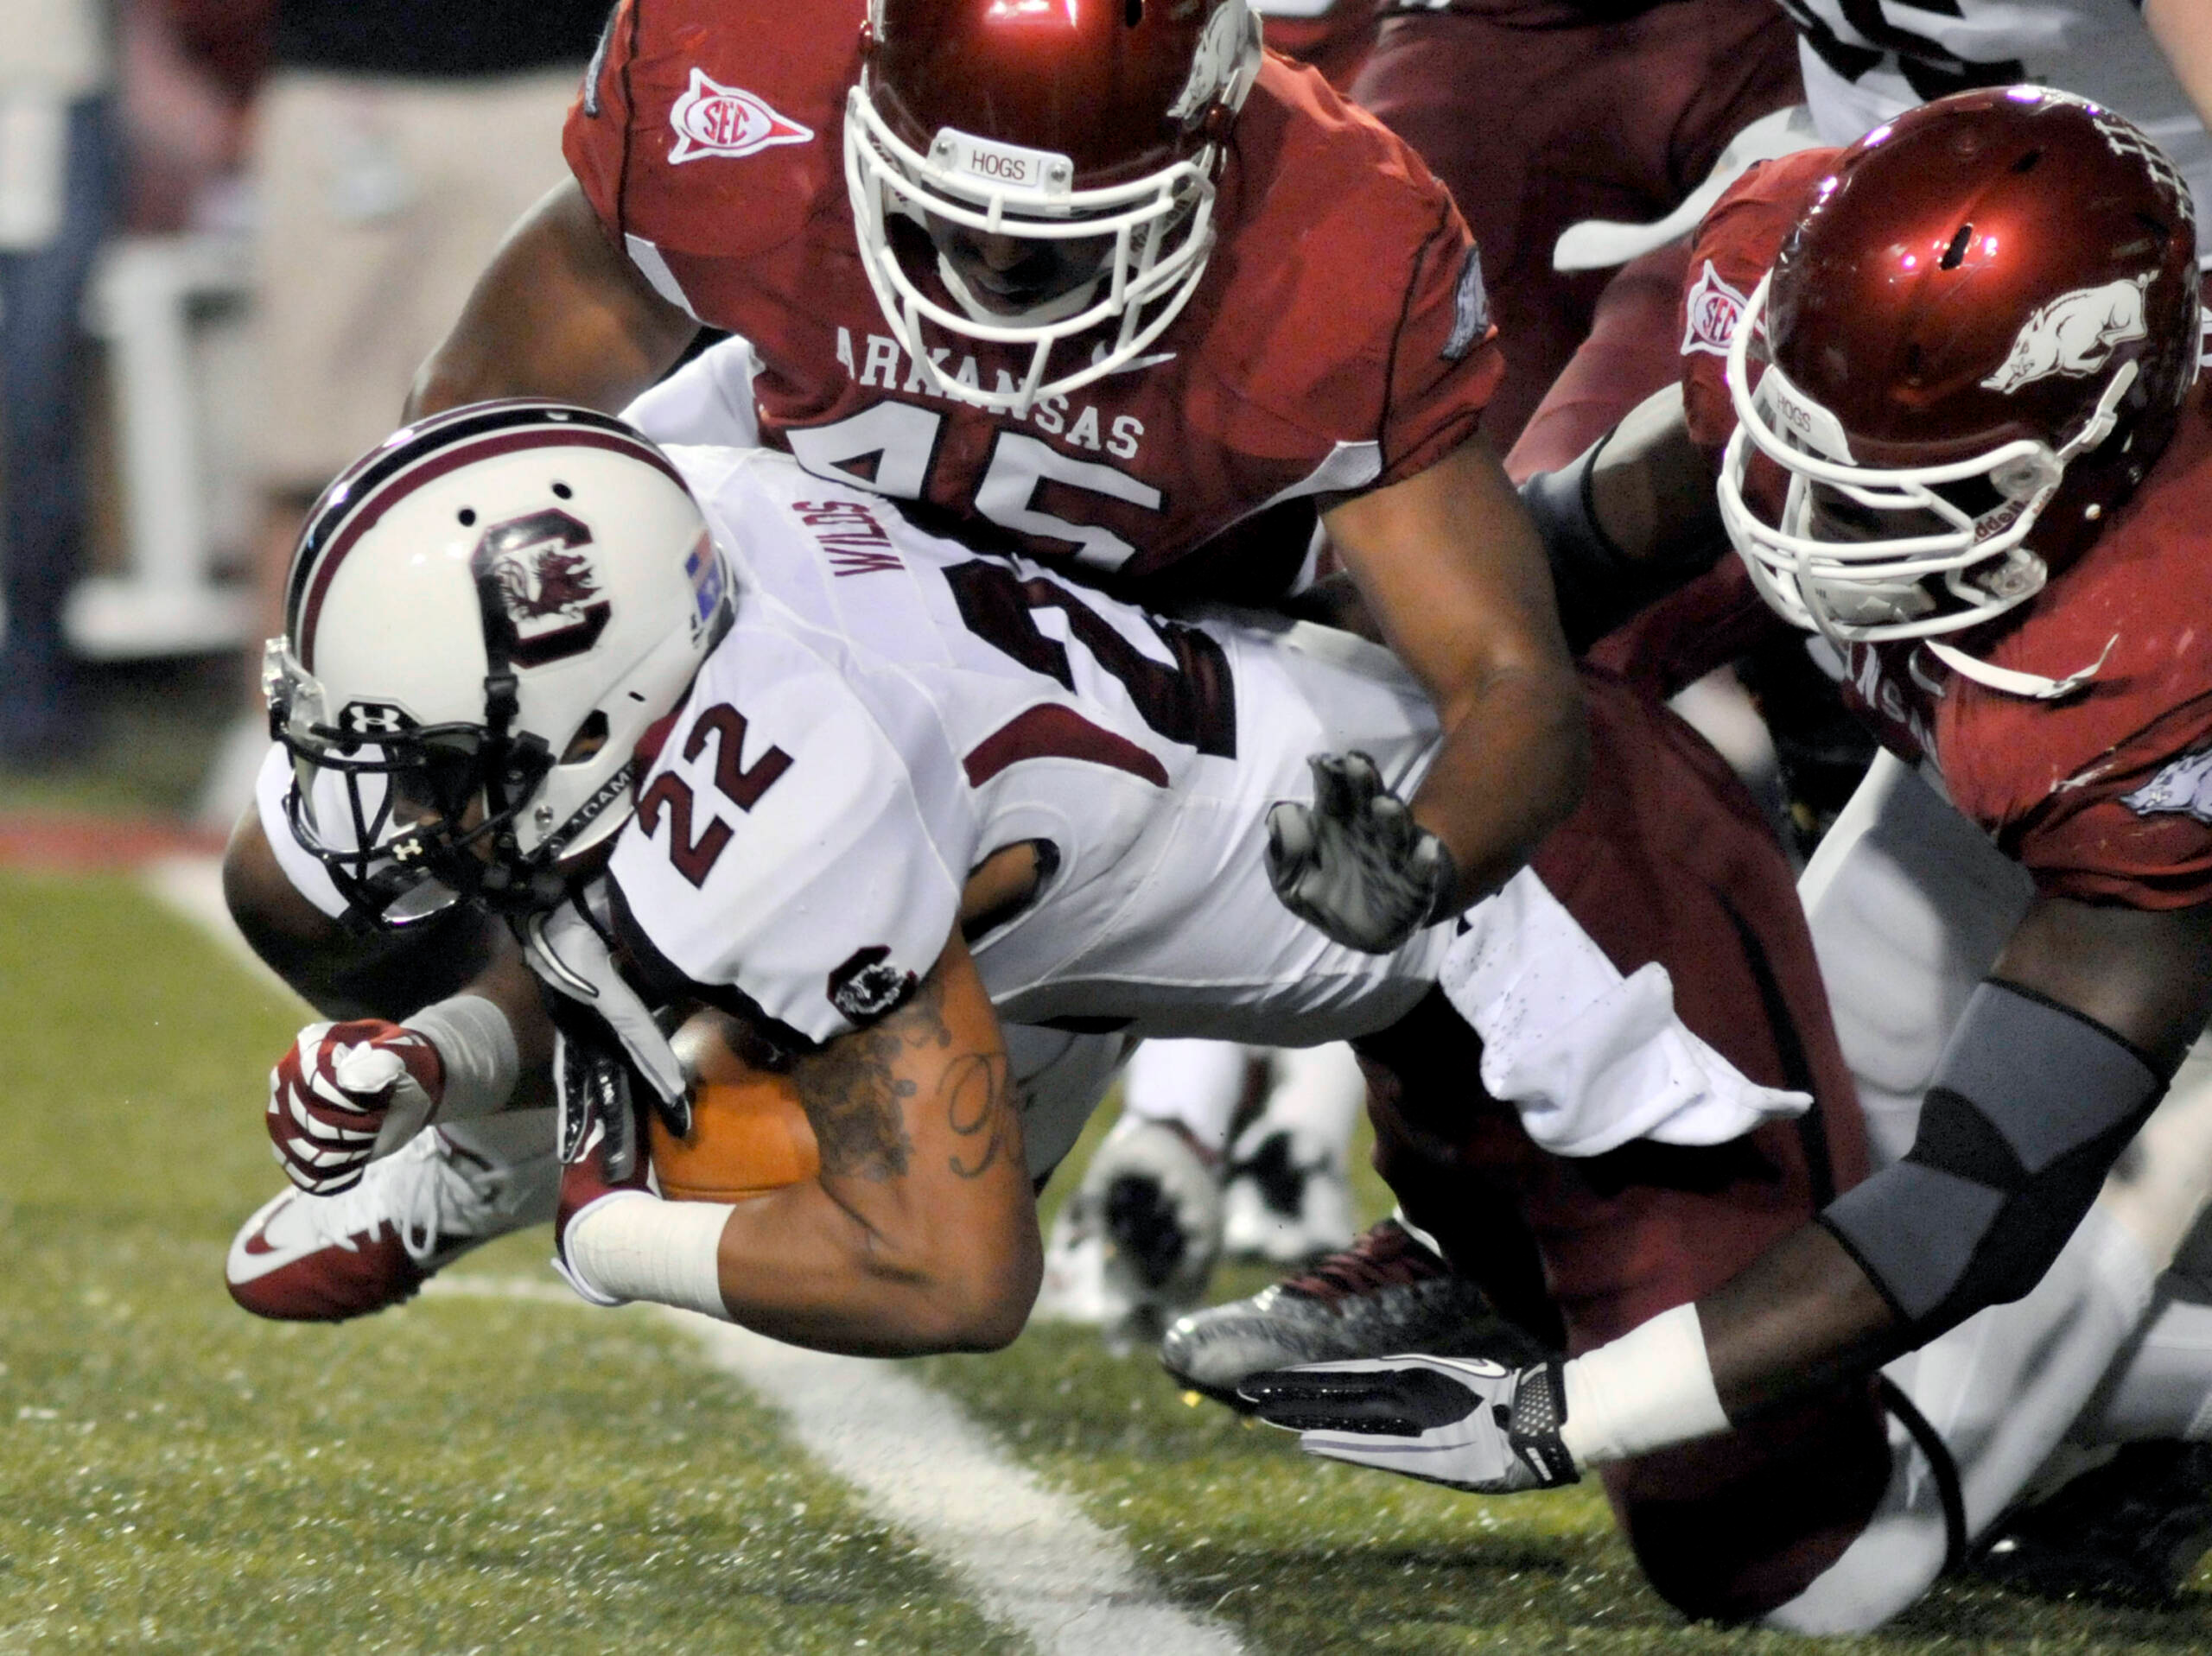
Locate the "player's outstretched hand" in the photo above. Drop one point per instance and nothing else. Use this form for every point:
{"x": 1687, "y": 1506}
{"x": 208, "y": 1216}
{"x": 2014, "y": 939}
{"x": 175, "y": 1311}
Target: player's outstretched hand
{"x": 339, "y": 1087}
{"x": 1354, "y": 863}
{"x": 1465, "y": 1422}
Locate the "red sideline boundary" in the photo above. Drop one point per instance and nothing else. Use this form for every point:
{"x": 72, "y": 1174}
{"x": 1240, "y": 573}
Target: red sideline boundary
{"x": 76, "y": 844}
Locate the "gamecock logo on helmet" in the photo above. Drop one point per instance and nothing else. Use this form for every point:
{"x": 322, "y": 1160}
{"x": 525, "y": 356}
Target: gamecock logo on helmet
{"x": 2075, "y": 334}
{"x": 712, "y": 119}
{"x": 549, "y": 591}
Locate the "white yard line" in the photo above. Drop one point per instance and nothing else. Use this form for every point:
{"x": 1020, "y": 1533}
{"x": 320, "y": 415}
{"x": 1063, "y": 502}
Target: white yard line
{"x": 1031, "y": 1557}
{"x": 1027, "y": 1553}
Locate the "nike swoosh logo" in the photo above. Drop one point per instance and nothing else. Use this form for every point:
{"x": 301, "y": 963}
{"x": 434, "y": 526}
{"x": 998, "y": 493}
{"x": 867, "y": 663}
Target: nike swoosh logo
{"x": 258, "y": 1244}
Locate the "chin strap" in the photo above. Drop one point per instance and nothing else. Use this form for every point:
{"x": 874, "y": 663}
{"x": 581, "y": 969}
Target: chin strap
{"x": 2010, "y": 682}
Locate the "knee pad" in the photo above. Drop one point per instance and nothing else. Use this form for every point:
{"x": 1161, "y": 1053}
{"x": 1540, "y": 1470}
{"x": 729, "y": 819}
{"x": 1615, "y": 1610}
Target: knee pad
{"x": 2031, "y": 1105}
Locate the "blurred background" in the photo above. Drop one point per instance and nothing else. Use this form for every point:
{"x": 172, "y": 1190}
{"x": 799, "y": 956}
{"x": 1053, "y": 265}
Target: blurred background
{"x": 229, "y": 230}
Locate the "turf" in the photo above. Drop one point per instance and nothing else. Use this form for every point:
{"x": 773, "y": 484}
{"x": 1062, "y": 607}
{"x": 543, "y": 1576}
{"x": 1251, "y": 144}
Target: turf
{"x": 499, "y": 1474}
{"x": 463, "y": 1475}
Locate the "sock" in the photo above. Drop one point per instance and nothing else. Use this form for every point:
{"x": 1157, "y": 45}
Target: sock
{"x": 1196, "y": 1085}
{"x": 1317, "y": 1096}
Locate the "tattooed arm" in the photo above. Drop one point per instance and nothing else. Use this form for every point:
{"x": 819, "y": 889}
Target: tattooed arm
{"x": 920, "y": 1233}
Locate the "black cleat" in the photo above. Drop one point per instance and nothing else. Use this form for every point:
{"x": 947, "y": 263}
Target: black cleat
{"x": 2130, "y": 1531}
{"x": 1383, "y": 1296}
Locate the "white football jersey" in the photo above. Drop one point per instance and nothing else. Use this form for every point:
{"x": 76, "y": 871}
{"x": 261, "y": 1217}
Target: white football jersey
{"x": 1868, "y": 60}
{"x": 891, "y": 708}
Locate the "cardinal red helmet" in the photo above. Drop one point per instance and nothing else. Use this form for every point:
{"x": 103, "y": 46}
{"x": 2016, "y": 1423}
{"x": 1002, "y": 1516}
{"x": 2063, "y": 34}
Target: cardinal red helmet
{"x": 1091, "y": 130}
{"x": 1975, "y": 342}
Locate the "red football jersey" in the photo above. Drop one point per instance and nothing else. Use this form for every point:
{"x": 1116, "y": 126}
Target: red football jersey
{"x": 1338, "y": 342}
{"x": 2105, "y": 795}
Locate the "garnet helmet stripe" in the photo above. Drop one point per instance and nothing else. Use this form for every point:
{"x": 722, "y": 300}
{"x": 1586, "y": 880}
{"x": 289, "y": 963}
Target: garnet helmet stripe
{"x": 422, "y": 452}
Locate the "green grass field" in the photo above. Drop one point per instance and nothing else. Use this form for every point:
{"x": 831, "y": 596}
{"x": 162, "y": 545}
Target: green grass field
{"x": 484, "y": 1473}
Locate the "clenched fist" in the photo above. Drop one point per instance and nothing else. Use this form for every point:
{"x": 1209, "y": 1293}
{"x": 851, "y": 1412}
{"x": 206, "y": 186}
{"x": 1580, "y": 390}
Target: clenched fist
{"x": 332, "y": 1095}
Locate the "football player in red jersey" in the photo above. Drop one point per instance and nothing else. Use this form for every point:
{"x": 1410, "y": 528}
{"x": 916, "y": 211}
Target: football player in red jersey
{"x": 1106, "y": 279}
{"x": 1965, "y": 448}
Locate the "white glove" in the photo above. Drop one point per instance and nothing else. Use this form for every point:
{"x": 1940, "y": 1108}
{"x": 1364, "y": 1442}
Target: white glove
{"x": 1467, "y": 1422}
{"x": 1354, "y": 863}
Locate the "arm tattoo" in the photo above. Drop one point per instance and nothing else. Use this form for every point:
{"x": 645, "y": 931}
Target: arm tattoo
{"x": 979, "y": 1103}
{"x": 852, "y": 1093}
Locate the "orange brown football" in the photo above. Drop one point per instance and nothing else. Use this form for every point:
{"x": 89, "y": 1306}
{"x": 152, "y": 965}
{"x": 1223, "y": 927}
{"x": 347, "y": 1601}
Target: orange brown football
{"x": 749, "y": 1135}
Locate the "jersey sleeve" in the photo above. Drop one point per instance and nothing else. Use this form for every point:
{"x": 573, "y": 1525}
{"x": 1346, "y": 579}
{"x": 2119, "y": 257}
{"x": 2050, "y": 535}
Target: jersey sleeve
{"x": 1445, "y": 361}
{"x": 2138, "y": 832}
{"x": 1733, "y": 249}
{"x": 779, "y": 864}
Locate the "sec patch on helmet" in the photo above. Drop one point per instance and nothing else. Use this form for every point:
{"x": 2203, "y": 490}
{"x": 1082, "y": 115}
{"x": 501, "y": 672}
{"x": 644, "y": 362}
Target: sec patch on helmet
{"x": 748, "y": 1134}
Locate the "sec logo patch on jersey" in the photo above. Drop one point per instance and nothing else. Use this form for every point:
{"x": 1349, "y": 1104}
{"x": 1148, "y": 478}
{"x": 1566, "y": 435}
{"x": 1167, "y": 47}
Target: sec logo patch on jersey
{"x": 712, "y": 119}
{"x": 1711, "y": 308}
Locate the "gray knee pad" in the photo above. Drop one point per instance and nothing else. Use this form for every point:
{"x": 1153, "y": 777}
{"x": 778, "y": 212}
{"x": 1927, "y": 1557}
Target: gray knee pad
{"x": 2030, "y": 1108}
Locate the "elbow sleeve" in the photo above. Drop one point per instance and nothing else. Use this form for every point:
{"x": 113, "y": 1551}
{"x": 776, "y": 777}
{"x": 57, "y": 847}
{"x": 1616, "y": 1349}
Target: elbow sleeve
{"x": 2031, "y": 1105}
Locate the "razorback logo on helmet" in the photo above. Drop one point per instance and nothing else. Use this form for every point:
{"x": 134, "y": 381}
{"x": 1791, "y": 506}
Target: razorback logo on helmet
{"x": 2075, "y": 334}
{"x": 868, "y": 986}
{"x": 1713, "y": 308}
{"x": 2184, "y": 786}
{"x": 548, "y": 588}
{"x": 712, "y": 119}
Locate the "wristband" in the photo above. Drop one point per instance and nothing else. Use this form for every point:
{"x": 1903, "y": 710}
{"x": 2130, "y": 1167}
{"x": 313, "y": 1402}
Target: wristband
{"x": 477, "y": 1046}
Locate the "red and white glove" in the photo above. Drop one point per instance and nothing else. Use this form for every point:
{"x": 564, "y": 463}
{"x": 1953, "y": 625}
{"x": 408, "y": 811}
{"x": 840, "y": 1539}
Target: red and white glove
{"x": 332, "y": 1095}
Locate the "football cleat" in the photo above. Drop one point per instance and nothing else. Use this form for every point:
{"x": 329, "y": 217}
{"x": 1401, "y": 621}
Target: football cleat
{"x": 1281, "y": 1205}
{"x": 315, "y": 1258}
{"x": 2130, "y": 1531}
{"x": 1138, "y": 1239}
{"x": 1465, "y": 1423}
{"x": 1384, "y": 1294}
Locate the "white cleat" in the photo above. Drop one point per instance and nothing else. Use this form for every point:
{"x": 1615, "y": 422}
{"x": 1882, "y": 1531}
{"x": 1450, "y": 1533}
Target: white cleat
{"x": 1285, "y": 1201}
{"x": 1136, "y": 1242}
{"x": 315, "y": 1258}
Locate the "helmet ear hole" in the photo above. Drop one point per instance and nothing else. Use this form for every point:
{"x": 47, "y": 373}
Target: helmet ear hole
{"x": 590, "y": 738}
{"x": 1133, "y": 13}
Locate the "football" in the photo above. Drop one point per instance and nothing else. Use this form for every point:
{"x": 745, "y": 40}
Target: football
{"x": 749, "y": 1135}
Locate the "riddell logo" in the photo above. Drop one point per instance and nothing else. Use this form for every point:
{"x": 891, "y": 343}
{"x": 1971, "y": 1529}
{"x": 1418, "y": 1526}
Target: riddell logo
{"x": 712, "y": 119}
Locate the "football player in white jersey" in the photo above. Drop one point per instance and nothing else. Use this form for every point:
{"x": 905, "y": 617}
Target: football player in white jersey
{"x": 887, "y": 804}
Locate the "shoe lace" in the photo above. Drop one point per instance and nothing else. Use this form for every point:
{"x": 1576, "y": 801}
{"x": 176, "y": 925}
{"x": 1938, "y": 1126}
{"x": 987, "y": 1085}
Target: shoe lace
{"x": 419, "y": 1190}
{"x": 1383, "y": 1256}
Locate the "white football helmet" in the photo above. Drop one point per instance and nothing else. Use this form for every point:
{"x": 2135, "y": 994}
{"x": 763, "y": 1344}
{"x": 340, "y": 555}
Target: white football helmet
{"x": 1054, "y": 124}
{"x": 484, "y": 616}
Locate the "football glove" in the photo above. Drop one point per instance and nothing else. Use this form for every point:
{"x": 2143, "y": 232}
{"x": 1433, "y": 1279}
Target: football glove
{"x": 1466, "y": 1423}
{"x": 342, "y": 1090}
{"x": 605, "y": 1156}
{"x": 1354, "y": 863}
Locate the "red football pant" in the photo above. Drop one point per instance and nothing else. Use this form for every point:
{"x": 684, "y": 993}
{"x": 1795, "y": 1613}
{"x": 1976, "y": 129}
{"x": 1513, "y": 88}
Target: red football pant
{"x": 1667, "y": 858}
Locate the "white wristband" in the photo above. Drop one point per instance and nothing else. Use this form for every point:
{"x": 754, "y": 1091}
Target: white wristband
{"x": 637, "y": 1247}
{"x": 477, "y": 1045}
{"x": 1649, "y": 1389}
